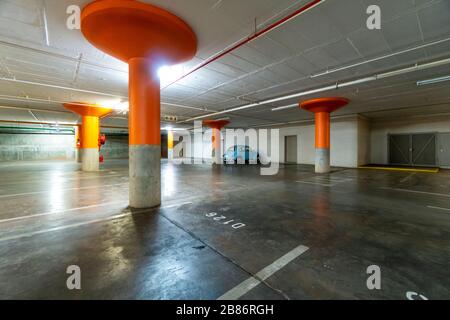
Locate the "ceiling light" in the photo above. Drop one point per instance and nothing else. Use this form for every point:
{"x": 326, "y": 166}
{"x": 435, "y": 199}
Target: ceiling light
{"x": 433, "y": 81}
{"x": 285, "y": 107}
{"x": 168, "y": 74}
{"x": 335, "y": 86}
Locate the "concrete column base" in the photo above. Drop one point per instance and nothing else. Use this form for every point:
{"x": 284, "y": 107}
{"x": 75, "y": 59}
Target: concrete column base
{"x": 217, "y": 160}
{"x": 145, "y": 176}
{"x": 323, "y": 161}
{"x": 89, "y": 159}
{"x": 216, "y": 157}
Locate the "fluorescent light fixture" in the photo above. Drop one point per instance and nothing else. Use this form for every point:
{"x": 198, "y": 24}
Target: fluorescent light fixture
{"x": 433, "y": 81}
{"x": 285, "y": 107}
{"x": 335, "y": 86}
{"x": 173, "y": 129}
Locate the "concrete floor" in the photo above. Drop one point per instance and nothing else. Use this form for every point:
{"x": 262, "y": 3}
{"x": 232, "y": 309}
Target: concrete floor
{"x": 53, "y": 216}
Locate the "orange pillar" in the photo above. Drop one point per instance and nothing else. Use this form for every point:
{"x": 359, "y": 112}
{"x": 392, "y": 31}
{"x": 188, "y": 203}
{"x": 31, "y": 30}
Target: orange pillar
{"x": 216, "y": 140}
{"x": 322, "y": 109}
{"x": 170, "y": 144}
{"x": 322, "y": 130}
{"x": 90, "y": 132}
{"x": 146, "y": 37}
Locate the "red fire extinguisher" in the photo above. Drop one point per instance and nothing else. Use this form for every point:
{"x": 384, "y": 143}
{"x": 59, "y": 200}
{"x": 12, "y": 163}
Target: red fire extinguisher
{"x": 101, "y": 142}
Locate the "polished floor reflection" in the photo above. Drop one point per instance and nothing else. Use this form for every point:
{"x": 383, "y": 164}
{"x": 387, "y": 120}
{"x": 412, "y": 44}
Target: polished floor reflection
{"x": 218, "y": 226}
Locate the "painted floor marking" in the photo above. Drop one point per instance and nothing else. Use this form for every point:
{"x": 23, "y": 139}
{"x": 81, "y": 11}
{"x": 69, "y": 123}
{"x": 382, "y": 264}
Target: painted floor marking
{"x": 80, "y": 188}
{"x": 316, "y": 183}
{"x": 75, "y": 225}
{"x": 409, "y": 176}
{"x": 66, "y": 179}
{"x": 263, "y": 275}
{"x": 438, "y": 208}
{"x": 420, "y": 192}
{"x": 60, "y": 211}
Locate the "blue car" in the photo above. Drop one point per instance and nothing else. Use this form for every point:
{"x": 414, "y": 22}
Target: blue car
{"x": 241, "y": 154}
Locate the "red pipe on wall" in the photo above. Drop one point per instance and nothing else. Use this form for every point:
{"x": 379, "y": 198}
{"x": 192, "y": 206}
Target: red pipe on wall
{"x": 249, "y": 39}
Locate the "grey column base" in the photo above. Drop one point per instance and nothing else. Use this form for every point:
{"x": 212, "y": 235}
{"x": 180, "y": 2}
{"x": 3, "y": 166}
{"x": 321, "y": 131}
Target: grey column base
{"x": 145, "y": 176}
{"x": 216, "y": 157}
{"x": 89, "y": 159}
{"x": 323, "y": 161}
{"x": 170, "y": 154}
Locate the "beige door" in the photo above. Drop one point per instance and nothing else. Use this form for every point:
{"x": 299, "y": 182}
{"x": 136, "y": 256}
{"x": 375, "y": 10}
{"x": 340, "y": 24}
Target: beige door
{"x": 291, "y": 149}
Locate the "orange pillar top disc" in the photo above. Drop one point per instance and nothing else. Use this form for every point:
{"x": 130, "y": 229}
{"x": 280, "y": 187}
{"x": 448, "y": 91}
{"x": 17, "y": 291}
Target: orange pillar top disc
{"x": 216, "y": 124}
{"x": 86, "y": 109}
{"x": 324, "y": 104}
{"x": 128, "y": 29}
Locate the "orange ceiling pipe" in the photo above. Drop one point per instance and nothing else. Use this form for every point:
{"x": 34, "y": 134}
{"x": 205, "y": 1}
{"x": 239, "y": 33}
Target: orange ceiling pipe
{"x": 147, "y": 38}
{"x": 322, "y": 108}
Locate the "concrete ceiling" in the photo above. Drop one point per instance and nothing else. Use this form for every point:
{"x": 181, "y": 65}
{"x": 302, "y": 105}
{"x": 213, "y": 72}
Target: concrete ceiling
{"x": 37, "y": 47}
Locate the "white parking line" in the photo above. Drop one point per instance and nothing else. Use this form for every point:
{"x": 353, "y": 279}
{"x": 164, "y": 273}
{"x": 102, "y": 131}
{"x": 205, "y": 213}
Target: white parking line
{"x": 69, "y": 226}
{"x": 60, "y": 211}
{"x": 76, "y": 178}
{"x": 438, "y": 208}
{"x": 262, "y": 275}
{"x": 41, "y": 192}
{"x": 420, "y": 192}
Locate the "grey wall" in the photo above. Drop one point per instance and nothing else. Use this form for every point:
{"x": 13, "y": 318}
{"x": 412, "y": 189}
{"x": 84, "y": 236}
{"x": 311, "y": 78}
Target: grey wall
{"x": 116, "y": 147}
{"x": 31, "y": 146}
{"x": 26, "y": 147}
{"x": 381, "y": 129}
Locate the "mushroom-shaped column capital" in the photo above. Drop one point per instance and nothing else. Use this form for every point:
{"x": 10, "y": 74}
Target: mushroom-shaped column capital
{"x": 87, "y": 109}
{"x": 128, "y": 29}
{"x": 216, "y": 124}
{"x": 324, "y": 104}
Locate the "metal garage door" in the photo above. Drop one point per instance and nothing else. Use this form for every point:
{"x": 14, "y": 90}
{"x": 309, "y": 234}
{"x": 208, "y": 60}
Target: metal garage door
{"x": 399, "y": 149}
{"x": 412, "y": 149}
{"x": 291, "y": 149}
{"x": 444, "y": 149}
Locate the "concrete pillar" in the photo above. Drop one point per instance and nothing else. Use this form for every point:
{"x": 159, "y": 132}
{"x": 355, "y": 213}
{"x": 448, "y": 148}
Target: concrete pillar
{"x": 90, "y": 159}
{"x": 322, "y": 160}
{"x": 322, "y": 109}
{"x": 170, "y": 144}
{"x": 145, "y": 134}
